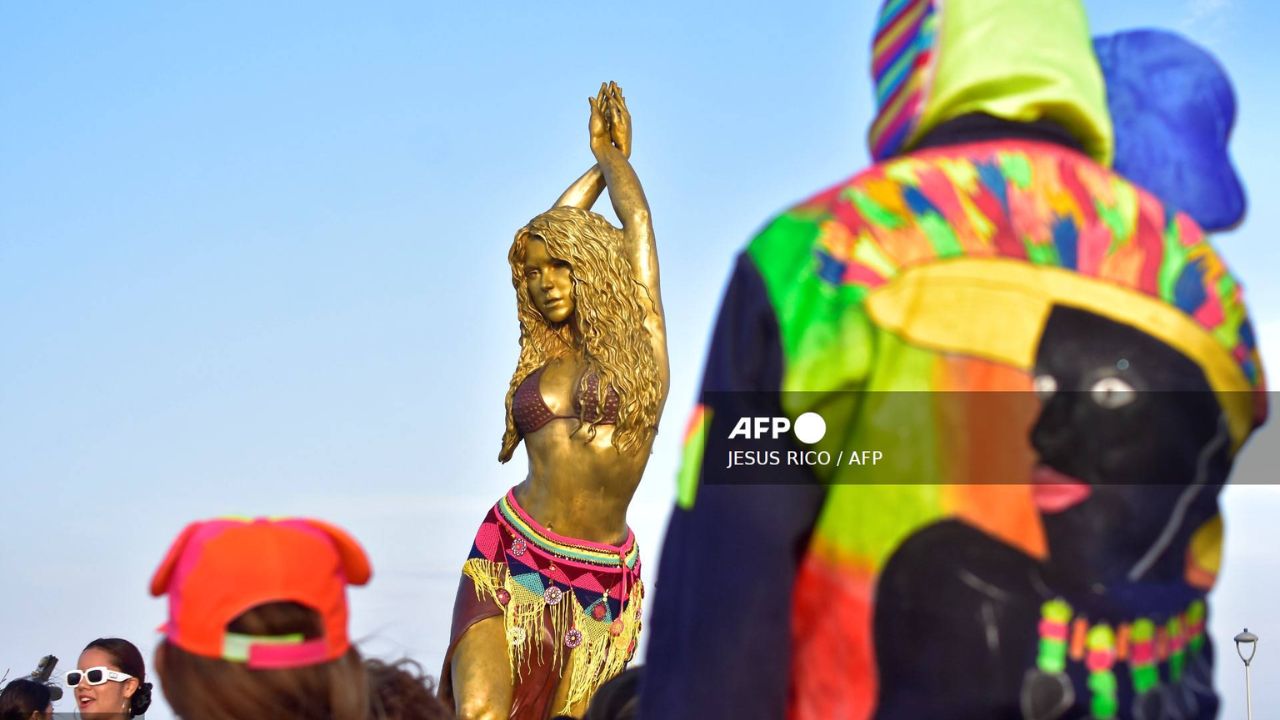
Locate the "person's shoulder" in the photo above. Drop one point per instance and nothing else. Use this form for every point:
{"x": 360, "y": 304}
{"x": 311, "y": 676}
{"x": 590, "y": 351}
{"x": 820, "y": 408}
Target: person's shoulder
{"x": 866, "y": 204}
{"x": 792, "y": 234}
{"x": 812, "y": 243}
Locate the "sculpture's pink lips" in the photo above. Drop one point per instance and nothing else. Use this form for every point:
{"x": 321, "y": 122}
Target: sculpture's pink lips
{"x": 1054, "y": 492}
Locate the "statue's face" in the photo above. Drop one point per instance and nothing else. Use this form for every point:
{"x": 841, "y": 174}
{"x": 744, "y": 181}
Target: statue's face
{"x": 549, "y": 282}
{"x": 1131, "y": 449}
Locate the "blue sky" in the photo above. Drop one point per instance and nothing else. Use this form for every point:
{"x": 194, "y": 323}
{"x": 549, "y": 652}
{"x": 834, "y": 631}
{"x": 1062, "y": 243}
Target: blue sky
{"x": 252, "y": 260}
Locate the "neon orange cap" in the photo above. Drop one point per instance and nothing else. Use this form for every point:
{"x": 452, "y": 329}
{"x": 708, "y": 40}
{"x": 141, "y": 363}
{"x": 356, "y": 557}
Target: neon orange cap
{"x": 219, "y": 569}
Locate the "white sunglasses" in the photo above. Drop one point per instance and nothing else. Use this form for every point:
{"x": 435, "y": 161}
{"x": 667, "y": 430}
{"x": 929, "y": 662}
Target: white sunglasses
{"x": 95, "y": 676}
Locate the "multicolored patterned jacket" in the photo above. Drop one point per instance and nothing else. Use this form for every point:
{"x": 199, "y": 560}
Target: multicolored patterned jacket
{"x": 935, "y": 271}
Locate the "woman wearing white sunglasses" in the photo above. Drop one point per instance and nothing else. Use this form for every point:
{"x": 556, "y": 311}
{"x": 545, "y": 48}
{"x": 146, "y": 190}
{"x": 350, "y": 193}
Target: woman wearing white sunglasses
{"x": 110, "y": 680}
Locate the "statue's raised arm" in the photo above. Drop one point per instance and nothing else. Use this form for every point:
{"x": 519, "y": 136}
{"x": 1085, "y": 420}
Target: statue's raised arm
{"x": 610, "y": 129}
{"x": 584, "y": 191}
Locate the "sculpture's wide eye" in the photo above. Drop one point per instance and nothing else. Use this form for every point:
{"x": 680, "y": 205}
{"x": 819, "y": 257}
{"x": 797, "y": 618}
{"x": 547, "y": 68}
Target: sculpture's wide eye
{"x": 1044, "y": 386}
{"x": 1112, "y": 392}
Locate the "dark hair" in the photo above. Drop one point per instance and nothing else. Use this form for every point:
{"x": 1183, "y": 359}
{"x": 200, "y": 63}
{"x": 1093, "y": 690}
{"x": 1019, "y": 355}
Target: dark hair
{"x": 402, "y": 691}
{"x": 205, "y": 688}
{"x": 618, "y": 699}
{"x": 22, "y": 697}
{"x": 125, "y": 656}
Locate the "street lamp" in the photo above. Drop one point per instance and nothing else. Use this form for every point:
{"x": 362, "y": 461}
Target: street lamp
{"x": 1249, "y": 641}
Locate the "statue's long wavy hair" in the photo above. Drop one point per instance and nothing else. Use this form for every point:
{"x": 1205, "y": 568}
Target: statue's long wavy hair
{"x": 608, "y": 321}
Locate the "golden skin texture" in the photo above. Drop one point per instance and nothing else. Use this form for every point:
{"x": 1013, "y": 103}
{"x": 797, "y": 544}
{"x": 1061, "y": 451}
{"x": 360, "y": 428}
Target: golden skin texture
{"x": 578, "y": 484}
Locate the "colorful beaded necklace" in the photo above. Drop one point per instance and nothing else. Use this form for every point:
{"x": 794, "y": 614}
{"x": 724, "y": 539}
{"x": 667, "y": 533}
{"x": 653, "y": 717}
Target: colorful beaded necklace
{"x": 1142, "y": 644}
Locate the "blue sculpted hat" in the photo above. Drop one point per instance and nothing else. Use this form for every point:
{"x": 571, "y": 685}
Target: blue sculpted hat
{"x": 1172, "y": 107}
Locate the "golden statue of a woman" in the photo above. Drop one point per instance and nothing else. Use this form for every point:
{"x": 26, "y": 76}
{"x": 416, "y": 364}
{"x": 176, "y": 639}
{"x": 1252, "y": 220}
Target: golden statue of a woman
{"x": 549, "y": 604}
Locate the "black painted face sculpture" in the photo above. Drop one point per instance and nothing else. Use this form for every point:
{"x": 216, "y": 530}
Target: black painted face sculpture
{"x": 1133, "y": 451}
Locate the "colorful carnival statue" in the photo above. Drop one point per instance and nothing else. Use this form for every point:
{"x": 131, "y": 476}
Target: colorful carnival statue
{"x": 1145, "y": 522}
{"x": 549, "y": 604}
{"x": 1041, "y": 552}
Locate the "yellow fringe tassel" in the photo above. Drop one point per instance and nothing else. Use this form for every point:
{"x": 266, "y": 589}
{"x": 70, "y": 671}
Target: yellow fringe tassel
{"x": 599, "y": 658}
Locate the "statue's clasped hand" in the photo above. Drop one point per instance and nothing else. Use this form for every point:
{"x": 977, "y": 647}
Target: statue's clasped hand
{"x": 610, "y": 124}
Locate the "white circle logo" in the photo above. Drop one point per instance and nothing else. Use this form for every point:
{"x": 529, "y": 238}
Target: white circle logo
{"x": 810, "y": 427}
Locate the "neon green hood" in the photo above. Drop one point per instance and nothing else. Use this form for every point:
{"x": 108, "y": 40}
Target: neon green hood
{"x": 1020, "y": 60}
